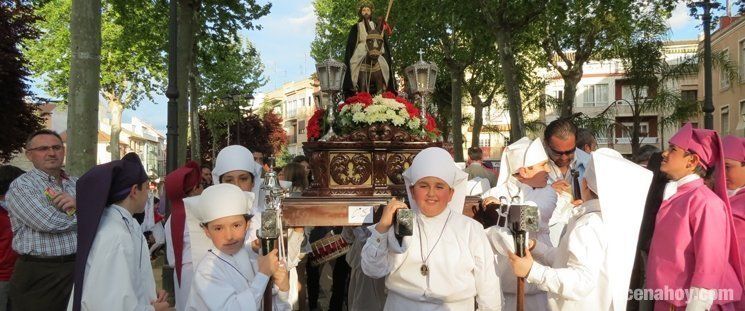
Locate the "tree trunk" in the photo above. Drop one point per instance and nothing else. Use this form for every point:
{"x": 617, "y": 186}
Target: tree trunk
{"x": 512, "y": 89}
{"x": 456, "y": 84}
{"x": 116, "y": 108}
{"x": 84, "y": 84}
{"x": 571, "y": 80}
{"x": 635, "y": 133}
{"x": 185, "y": 42}
{"x": 196, "y": 146}
{"x": 478, "y": 118}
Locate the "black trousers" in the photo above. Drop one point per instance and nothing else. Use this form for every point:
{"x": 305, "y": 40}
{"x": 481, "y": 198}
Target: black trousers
{"x": 43, "y": 286}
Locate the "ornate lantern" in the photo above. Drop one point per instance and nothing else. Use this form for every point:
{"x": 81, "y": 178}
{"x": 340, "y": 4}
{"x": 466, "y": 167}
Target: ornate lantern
{"x": 331, "y": 77}
{"x": 422, "y": 77}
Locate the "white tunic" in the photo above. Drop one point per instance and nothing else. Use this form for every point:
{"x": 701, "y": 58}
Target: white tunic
{"x": 545, "y": 198}
{"x": 225, "y": 282}
{"x": 118, "y": 274}
{"x": 461, "y": 265}
{"x": 181, "y": 290}
{"x": 573, "y": 273}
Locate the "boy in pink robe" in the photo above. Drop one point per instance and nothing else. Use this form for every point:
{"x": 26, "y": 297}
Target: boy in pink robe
{"x": 694, "y": 247}
{"x": 734, "y": 165}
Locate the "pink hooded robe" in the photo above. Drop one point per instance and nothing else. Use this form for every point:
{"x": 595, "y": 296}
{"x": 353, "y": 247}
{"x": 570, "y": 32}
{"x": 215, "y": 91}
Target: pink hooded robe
{"x": 694, "y": 242}
{"x": 734, "y": 149}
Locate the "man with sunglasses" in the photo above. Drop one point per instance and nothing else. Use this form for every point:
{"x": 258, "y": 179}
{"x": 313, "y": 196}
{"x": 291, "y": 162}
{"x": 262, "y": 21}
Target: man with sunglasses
{"x": 41, "y": 205}
{"x": 564, "y": 157}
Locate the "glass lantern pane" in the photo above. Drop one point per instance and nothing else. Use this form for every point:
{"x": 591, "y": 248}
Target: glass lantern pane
{"x": 422, "y": 84}
{"x": 411, "y": 78}
{"x": 432, "y": 80}
{"x": 323, "y": 77}
{"x": 334, "y": 77}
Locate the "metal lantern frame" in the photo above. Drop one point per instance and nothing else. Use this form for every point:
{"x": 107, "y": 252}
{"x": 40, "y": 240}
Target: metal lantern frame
{"x": 331, "y": 74}
{"x": 422, "y": 77}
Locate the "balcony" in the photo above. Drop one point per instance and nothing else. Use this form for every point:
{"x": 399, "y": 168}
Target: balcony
{"x": 627, "y": 140}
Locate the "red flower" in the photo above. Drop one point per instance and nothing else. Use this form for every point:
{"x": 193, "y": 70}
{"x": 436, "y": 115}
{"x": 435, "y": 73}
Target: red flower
{"x": 314, "y": 124}
{"x": 431, "y": 125}
{"x": 389, "y": 95}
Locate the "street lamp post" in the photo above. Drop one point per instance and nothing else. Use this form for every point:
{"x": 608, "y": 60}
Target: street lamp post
{"x": 172, "y": 129}
{"x": 708, "y": 108}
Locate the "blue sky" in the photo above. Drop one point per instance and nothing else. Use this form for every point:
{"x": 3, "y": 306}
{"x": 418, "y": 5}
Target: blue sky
{"x": 284, "y": 45}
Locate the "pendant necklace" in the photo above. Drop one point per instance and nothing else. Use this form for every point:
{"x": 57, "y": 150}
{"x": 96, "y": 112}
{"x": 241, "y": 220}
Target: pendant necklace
{"x": 424, "y": 269}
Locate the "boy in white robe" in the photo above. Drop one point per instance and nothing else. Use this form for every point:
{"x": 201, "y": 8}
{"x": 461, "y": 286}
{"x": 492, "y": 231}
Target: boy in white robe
{"x": 447, "y": 263}
{"x": 235, "y": 165}
{"x": 112, "y": 267}
{"x": 231, "y": 277}
{"x": 591, "y": 267}
{"x": 523, "y": 174}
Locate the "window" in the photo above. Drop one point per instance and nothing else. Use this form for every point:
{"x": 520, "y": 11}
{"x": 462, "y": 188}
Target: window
{"x": 559, "y": 95}
{"x": 596, "y": 95}
{"x": 627, "y": 93}
{"x": 741, "y": 65}
{"x": 689, "y": 95}
{"x": 725, "y": 120}
{"x": 301, "y": 127}
{"x": 484, "y": 140}
{"x": 723, "y": 77}
{"x": 629, "y": 127}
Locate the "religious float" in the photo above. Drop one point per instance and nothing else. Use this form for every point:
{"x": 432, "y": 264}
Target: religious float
{"x": 359, "y": 149}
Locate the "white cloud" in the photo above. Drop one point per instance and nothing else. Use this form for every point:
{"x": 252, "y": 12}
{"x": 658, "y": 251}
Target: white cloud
{"x": 680, "y": 17}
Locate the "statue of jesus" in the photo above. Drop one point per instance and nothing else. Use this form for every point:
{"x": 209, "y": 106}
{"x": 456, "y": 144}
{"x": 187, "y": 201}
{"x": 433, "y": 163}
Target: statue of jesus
{"x": 369, "y": 55}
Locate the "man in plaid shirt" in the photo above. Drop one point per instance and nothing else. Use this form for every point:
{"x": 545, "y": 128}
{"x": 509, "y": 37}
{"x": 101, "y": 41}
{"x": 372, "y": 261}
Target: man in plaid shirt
{"x": 41, "y": 206}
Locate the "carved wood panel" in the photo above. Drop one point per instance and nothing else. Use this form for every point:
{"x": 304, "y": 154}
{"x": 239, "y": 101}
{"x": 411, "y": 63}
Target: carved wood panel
{"x": 350, "y": 168}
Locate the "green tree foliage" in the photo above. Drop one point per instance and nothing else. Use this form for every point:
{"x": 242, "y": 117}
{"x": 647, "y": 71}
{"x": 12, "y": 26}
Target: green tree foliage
{"x": 19, "y": 118}
{"x": 577, "y": 31}
{"x": 132, "y": 59}
{"x": 218, "y": 21}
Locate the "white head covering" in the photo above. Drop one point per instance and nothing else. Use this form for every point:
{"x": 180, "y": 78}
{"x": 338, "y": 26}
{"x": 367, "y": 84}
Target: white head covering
{"x": 215, "y": 202}
{"x": 622, "y": 187}
{"x": 239, "y": 158}
{"x": 522, "y": 153}
{"x": 436, "y": 162}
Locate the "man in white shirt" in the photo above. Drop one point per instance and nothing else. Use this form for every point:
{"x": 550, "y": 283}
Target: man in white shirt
{"x": 560, "y": 139}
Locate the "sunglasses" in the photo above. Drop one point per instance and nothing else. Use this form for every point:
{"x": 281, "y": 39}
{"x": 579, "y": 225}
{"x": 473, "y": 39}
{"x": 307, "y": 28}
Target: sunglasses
{"x": 46, "y": 148}
{"x": 560, "y": 153}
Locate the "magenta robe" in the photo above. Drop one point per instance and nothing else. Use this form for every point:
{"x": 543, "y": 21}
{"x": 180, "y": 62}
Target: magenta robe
{"x": 737, "y": 203}
{"x": 691, "y": 246}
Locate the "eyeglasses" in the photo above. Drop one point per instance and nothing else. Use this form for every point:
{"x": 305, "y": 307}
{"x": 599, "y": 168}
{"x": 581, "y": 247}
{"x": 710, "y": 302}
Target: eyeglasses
{"x": 560, "y": 153}
{"x": 46, "y": 148}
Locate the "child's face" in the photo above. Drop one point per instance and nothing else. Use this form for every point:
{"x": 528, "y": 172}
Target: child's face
{"x": 676, "y": 163}
{"x": 228, "y": 233}
{"x": 735, "y": 173}
{"x": 432, "y": 194}
{"x": 242, "y": 179}
{"x": 535, "y": 176}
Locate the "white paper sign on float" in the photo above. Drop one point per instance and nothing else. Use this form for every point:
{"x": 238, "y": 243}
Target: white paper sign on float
{"x": 360, "y": 214}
